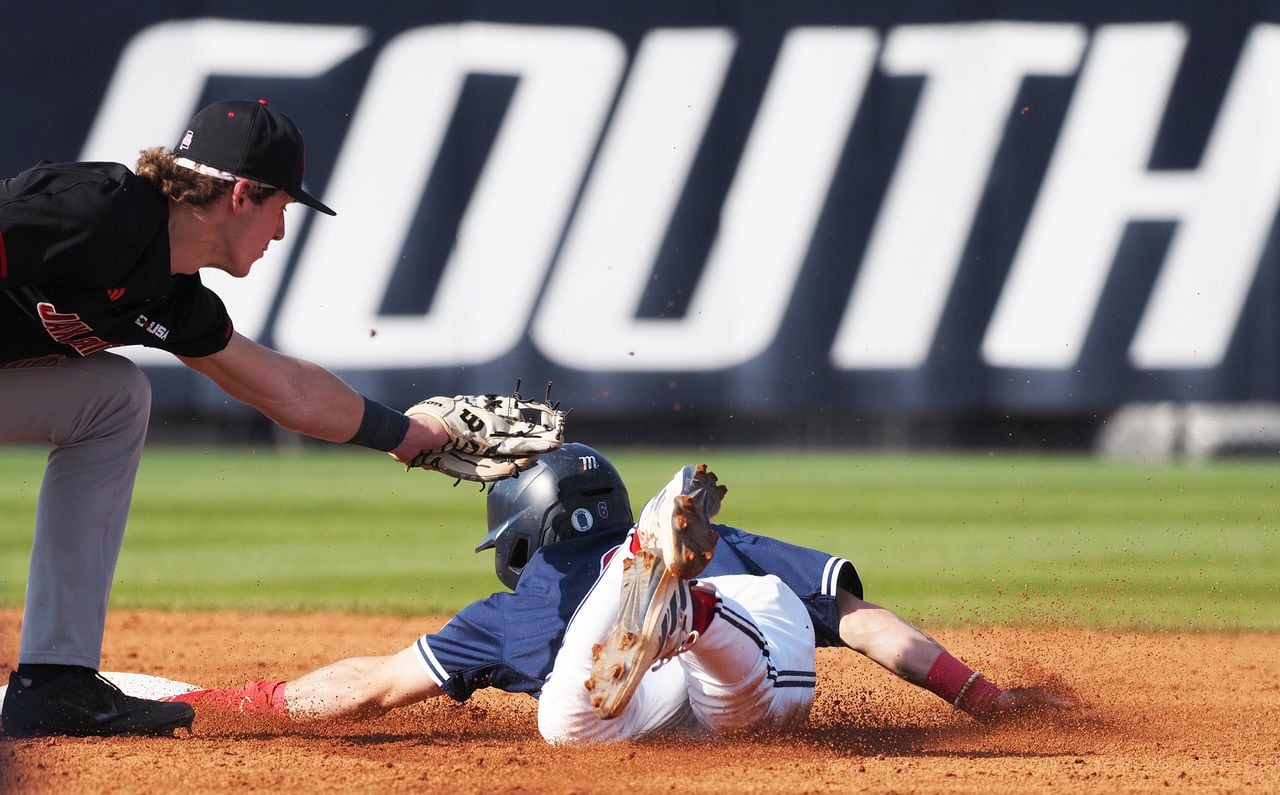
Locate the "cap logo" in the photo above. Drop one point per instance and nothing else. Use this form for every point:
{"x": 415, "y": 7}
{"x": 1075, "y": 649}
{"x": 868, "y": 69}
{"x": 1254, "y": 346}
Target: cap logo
{"x": 186, "y": 140}
{"x": 581, "y": 520}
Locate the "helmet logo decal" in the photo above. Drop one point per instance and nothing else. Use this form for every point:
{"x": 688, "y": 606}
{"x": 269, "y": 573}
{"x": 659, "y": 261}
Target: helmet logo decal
{"x": 587, "y": 462}
{"x": 582, "y": 520}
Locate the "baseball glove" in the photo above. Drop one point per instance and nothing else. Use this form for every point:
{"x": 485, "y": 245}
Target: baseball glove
{"x": 490, "y": 436}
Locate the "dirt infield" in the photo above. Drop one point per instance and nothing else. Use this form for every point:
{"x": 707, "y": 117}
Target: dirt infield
{"x": 1162, "y": 712}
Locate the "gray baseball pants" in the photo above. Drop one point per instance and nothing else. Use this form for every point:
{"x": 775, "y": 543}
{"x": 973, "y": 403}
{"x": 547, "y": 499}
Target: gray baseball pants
{"x": 94, "y": 412}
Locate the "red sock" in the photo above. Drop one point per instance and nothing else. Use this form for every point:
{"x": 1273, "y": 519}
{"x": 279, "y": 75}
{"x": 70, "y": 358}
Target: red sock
{"x": 963, "y": 687}
{"x": 255, "y": 698}
{"x": 704, "y": 601}
{"x": 704, "y": 608}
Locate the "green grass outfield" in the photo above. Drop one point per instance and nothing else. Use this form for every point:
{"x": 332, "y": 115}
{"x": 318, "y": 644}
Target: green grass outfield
{"x": 945, "y": 540}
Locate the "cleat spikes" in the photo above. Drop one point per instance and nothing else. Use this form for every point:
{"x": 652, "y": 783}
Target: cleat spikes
{"x": 677, "y": 522}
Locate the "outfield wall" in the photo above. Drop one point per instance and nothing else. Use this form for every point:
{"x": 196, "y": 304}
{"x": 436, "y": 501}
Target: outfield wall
{"x": 924, "y": 210}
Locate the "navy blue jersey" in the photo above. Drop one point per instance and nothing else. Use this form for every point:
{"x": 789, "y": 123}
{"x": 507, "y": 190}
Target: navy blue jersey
{"x": 84, "y": 266}
{"x": 509, "y": 640}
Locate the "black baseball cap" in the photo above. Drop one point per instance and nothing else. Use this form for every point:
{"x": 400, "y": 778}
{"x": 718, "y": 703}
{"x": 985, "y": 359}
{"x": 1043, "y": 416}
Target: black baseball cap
{"x": 246, "y": 139}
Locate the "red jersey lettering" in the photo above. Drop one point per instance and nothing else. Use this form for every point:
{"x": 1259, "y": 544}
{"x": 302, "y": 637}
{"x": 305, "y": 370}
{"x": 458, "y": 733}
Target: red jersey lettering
{"x": 60, "y": 326}
{"x": 67, "y": 328}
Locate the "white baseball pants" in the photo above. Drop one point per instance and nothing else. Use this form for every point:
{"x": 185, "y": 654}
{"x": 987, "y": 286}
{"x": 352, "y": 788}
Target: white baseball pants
{"x": 752, "y": 668}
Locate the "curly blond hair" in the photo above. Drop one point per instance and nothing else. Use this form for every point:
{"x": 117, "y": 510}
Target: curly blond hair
{"x": 157, "y": 166}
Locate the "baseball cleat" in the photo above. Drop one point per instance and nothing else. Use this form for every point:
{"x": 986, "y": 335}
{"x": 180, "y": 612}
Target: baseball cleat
{"x": 80, "y": 703}
{"x": 678, "y": 521}
{"x": 655, "y": 610}
{"x": 655, "y": 623}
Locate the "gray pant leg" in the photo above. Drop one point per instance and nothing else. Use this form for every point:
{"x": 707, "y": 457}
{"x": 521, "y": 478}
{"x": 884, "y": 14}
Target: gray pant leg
{"x": 94, "y": 411}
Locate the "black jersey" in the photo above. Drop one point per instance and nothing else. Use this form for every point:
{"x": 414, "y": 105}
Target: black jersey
{"x": 84, "y": 266}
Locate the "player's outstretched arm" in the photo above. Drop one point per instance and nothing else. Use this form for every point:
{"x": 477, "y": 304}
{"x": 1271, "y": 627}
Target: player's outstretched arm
{"x": 904, "y": 650}
{"x": 357, "y": 688}
{"x": 304, "y": 397}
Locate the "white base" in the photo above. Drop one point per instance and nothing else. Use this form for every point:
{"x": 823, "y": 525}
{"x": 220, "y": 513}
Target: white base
{"x": 140, "y": 685}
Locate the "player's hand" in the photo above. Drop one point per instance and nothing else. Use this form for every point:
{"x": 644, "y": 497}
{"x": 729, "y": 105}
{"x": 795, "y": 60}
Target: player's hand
{"x": 486, "y": 437}
{"x": 1018, "y": 702}
{"x": 426, "y": 432}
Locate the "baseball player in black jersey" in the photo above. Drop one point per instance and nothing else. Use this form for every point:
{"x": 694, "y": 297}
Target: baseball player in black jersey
{"x": 610, "y": 630}
{"x": 93, "y": 256}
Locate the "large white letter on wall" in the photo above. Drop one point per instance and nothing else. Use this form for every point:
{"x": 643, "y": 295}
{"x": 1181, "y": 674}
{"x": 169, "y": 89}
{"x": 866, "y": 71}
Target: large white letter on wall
{"x": 508, "y": 234}
{"x": 973, "y": 74}
{"x": 1098, "y": 182}
{"x": 766, "y": 223}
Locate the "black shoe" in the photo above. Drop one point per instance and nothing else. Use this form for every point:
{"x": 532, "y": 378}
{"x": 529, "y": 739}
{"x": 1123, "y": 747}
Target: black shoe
{"x": 80, "y": 703}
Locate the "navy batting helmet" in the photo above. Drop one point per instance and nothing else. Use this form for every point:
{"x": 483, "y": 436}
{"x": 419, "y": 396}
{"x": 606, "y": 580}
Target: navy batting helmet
{"x": 569, "y": 492}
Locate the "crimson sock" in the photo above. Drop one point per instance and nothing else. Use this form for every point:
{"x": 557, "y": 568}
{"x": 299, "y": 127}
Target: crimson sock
{"x": 704, "y": 601}
{"x": 704, "y": 608}
{"x": 963, "y": 687}
{"x": 256, "y": 698}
